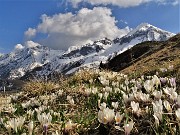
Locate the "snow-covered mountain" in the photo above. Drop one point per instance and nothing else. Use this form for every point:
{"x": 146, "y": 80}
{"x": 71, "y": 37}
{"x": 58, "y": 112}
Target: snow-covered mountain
{"x": 27, "y": 59}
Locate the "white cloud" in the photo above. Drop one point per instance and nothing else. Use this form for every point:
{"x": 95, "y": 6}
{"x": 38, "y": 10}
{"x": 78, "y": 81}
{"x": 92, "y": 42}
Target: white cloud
{"x": 176, "y": 2}
{"x": 123, "y": 3}
{"x": 69, "y": 29}
{"x": 30, "y": 33}
{"x": 168, "y": 2}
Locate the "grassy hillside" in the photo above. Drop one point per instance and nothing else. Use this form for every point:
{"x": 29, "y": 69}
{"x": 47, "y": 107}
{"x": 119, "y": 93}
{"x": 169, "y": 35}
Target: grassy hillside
{"x": 149, "y": 58}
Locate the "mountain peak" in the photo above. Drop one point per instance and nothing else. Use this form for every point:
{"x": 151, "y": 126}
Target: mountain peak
{"x": 146, "y": 27}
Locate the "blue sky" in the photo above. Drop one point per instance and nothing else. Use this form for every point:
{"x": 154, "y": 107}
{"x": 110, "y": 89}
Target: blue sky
{"x": 17, "y": 16}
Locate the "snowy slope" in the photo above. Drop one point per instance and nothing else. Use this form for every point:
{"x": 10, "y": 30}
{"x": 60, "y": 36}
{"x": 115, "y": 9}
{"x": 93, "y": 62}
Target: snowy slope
{"x": 25, "y": 59}
{"x": 143, "y": 32}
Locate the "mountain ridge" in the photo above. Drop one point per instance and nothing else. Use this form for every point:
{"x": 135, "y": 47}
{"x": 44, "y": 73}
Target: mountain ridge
{"x": 24, "y": 60}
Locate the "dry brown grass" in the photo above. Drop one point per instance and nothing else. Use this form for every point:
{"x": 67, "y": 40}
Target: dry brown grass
{"x": 165, "y": 57}
{"x": 39, "y": 87}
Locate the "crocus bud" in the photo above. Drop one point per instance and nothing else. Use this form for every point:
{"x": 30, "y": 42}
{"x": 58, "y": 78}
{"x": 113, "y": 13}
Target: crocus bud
{"x": 30, "y": 127}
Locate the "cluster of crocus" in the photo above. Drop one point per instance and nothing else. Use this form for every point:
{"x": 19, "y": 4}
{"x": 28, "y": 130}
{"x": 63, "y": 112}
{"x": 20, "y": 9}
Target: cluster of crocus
{"x": 135, "y": 108}
{"x": 108, "y": 116}
{"x": 44, "y": 119}
{"x": 124, "y": 105}
{"x": 105, "y": 115}
{"x": 160, "y": 94}
{"x": 15, "y": 124}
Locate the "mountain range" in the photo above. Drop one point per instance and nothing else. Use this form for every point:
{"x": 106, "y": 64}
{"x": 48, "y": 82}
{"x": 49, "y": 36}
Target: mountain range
{"x": 34, "y": 59}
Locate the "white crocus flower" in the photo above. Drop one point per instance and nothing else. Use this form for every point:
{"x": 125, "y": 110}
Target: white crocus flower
{"x": 115, "y": 105}
{"x": 131, "y": 97}
{"x": 20, "y": 121}
{"x": 178, "y": 100}
{"x": 167, "y": 106}
{"x": 144, "y": 97}
{"x": 30, "y": 113}
{"x": 115, "y": 84}
{"x": 135, "y": 108}
{"x": 171, "y": 92}
{"x": 35, "y": 102}
{"x": 102, "y": 106}
{"x": 134, "y": 89}
{"x": 99, "y": 102}
{"x": 1, "y": 121}
{"x": 128, "y": 127}
{"x": 123, "y": 87}
{"x": 156, "y": 81}
{"x": 40, "y": 109}
{"x": 125, "y": 98}
{"x": 30, "y": 127}
{"x": 94, "y": 90}
{"x": 100, "y": 95}
{"x": 106, "y": 94}
{"x": 156, "y": 120}
{"x": 157, "y": 94}
{"x": 26, "y": 105}
{"x": 51, "y": 111}
{"x": 116, "y": 90}
{"x": 172, "y": 82}
{"x": 178, "y": 114}
{"x": 158, "y": 109}
{"x": 147, "y": 109}
{"x": 118, "y": 118}
{"x": 57, "y": 114}
{"x": 149, "y": 85}
{"x": 104, "y": 81}
{"x": 108, "y": 89}
{"x": 126, "y": 82}
{"x": 91, "y": 81}
{"x": 106, "y": 115}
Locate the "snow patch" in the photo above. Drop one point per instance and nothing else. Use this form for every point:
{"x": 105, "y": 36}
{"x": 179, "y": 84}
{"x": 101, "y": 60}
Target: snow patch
{"x": 31, "y": 44}
{"x": 19, "y": 47}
